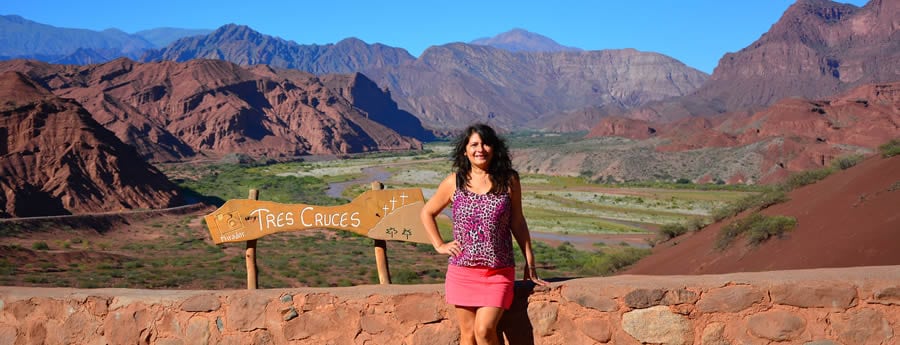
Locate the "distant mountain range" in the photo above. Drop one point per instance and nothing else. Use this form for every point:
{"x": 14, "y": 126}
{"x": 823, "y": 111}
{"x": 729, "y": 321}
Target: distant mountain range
{"x": 520, "y": 40}
{"x": 21, "y": 38}
{"x": 455, "y": 84}
{"x": 513, "y": 80}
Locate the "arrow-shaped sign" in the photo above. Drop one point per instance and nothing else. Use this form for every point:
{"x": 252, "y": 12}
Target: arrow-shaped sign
{"x": 390, "y": 214}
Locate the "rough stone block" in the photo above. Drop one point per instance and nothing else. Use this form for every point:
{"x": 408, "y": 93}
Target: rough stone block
{"x": 658, "y": 325}
{"x": 418, "y": 308}
{"x": 680, "y": 296}
{"x": 643, "y": 298}
{"x": 7, "y": 335}
{"x": 589, "y": 299}
{"x": 776, "y": 325}
{"x": 246, "y": 312}
{"x": 596, "y": 329}
{"x": 822, "y": 342}
{"x": 305, "y": 326}
{"x": 197, "y": 331}
{"x": 435, "y": 334}
{"x": 729, "y": 299}
{"x": 888, "y": 296}
{"x": 862, "y": 327}
{"x": 714, "y": 334}
{"x": 201, "y": 303}
{"x": 318, "y": 300}
{"x": 543, "y": 317}
{"x": 841, "y": 296}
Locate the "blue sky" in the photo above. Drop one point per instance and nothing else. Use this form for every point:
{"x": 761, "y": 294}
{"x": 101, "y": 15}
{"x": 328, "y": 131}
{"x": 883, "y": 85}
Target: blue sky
{"x": 696, "y": 32}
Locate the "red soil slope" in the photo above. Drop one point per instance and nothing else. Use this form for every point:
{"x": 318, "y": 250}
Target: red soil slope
{"x": 852, "y": 218}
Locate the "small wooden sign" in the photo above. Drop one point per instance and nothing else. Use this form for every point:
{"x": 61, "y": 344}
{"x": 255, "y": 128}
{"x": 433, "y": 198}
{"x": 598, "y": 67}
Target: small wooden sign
{"x": 389, "y": 214}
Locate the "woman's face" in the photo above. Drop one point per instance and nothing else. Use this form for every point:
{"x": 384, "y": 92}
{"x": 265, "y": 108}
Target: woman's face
{"x": 478, "y": 152}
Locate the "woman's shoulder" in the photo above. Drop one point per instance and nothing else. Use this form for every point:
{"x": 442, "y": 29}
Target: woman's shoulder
{"x": 449, "y": 182}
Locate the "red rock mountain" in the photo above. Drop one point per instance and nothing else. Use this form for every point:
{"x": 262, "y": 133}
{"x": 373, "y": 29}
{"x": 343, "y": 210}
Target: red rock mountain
{"x": 56, "y": 159}
{"x": 848, "y": 219}
{"x": 798, "y": 134}
{"x": 174, "y": 111}
{"x": 817, "y": 49}
{"x": 790, "y": 136}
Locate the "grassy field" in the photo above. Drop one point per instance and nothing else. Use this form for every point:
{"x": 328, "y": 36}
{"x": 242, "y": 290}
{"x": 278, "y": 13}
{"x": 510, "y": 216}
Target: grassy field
{"x": 175, "y": 251}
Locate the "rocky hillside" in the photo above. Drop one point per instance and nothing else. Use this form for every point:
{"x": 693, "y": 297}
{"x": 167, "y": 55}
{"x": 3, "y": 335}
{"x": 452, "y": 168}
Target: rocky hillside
{"x": 377, "y": 104}
{"x": 56, "y": 159}
{"x": 790, "y": 136}
{"x": 817, "y": 49}
{"x": 848, "y": 219}
{"x": 244, "y": 46}
{"x": 174, "y": 111}
{"x": 453, "y": 85}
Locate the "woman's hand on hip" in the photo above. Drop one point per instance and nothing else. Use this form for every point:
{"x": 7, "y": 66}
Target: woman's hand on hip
{"x": 450, "y": 248}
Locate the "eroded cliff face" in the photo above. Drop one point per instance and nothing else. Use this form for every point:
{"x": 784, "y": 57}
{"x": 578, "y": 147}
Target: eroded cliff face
{"x": 175, "y": 111}
{"x": 55, "y": 159}
{"x": 823, "y": 306}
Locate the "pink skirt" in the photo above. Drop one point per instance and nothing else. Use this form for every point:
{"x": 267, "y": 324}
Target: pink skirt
{"x": 479, "y": 286}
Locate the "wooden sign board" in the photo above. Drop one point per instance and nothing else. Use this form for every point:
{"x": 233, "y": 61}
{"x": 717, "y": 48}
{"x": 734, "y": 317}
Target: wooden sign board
{"x": 389, "y": 214}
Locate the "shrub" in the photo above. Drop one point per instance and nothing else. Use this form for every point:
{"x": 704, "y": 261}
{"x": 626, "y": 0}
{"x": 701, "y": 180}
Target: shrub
{"x": 672, "y": 230}
{"x": 695, "y": 223}
{"x": 758, "y": 228}
{"x": 890, "y": 149}
{"x": 847, "y": 162}
{"x": 40, "y": 245}
{"x": 756, "y": 202}
{"x": 806, "y": 177}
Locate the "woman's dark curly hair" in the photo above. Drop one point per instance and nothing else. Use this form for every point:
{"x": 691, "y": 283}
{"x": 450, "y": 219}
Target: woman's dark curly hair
{"x": 500, "y": 169}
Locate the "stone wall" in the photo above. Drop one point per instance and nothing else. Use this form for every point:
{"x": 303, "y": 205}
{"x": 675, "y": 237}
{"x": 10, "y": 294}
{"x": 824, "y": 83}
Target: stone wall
{"x": 823, "y": 306}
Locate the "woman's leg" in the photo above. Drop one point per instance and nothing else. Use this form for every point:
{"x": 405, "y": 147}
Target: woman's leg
{"x": 486, "y": 320}
{"x": 466, "y": 318}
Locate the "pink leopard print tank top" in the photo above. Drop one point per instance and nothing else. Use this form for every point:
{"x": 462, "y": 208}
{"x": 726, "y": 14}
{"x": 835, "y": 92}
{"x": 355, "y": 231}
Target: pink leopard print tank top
{"x": 481, "y": 227}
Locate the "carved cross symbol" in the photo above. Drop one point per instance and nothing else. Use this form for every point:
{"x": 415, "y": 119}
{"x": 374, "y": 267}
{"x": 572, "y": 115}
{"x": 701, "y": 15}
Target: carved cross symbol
{"x": 393, "y": 203}
{"x": 403, "y": 197}
{"x": 385, "y": 208}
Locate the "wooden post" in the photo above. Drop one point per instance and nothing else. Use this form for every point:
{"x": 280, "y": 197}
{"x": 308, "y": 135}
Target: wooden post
{"x": 381, "y": 260}
{"x": 250, "y": 254}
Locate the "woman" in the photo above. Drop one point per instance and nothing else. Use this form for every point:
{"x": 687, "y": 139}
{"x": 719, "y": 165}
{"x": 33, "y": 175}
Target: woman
{"x": 487, "y": 210}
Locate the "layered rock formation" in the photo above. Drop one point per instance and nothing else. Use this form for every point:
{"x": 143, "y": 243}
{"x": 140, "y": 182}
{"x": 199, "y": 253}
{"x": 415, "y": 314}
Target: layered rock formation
{"x": 817, "y": 49}
{"x": 456, "y": 84}
{"x": 56, "y": 159}
{"x": 825, "y": 306}
{"x": 174, "y": 111}
{"x": 790, "y": 136}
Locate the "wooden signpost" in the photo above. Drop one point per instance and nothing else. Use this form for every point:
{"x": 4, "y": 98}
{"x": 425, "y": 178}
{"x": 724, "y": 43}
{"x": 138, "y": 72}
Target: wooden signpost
{"x": 388, "y": 214}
